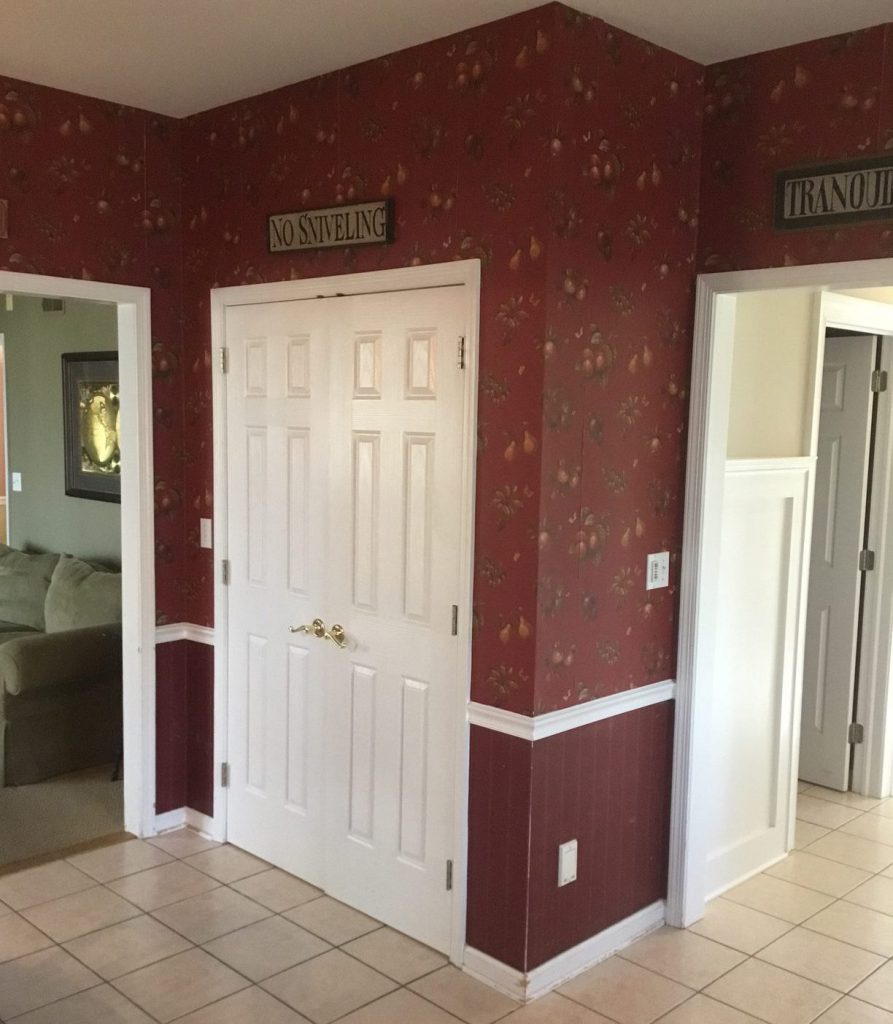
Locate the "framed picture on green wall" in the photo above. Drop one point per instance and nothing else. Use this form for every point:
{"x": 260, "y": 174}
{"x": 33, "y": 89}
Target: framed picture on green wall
{"x": 91, "y": 406}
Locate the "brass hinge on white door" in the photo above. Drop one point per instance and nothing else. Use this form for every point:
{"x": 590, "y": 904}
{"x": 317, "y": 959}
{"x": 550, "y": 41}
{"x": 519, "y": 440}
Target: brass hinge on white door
{"x": 879, "y": 380}
{"x": 225, "y": 571}
{"x": 462, "y": 352}
{"x": 449, "y": 876}
{"x": 224, "y": 775}
{"x": 224, "y": 360}
{"x": 856, "y": 733}
{"x": 866, "y": 561}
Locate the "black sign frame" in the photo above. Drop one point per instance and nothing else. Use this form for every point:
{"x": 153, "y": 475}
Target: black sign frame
{"x": 344, "y": 208}
{"x": 829, "y": 220}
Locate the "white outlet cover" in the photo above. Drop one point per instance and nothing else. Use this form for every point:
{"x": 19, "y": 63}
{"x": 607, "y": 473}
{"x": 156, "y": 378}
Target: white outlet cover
{"x": 207, "y": 533}
{"x": 16, "y": 481}
{"x": 567, "y": 862}
{"x": 657, "y": 570}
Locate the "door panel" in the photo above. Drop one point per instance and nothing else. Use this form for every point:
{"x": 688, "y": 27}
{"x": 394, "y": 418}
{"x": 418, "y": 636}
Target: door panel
{"x": 835, "y": 581}
{"x": 345, "y": 432}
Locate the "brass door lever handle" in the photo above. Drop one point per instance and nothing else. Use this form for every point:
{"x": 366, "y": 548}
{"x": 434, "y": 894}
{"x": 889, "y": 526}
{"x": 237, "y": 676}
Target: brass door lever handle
{"x": 318, "y": 629}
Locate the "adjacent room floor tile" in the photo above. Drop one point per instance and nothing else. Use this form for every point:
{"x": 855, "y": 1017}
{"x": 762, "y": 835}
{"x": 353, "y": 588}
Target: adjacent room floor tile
{"x": 174, "y": 987}
{"x": 554, "y": 1009}
{"x": 211, "y": 914}
{"x": 332, "y": 921}
{"x": 39, "y": 979}
{"x": 876, "y": 894}
{"x": 739, "y": 927}
{"x": 329, "y": 986}
{"x": 82, "y": 912}
{"x": 119, "y": 859}
{"x": 227, "y": 864}
{"x": 683, "y": 956}
{"x": 266, "y": 948}
{"x": 183, "y": 843}
{"x": 807, "y": 833}
{"x": 405, "y": 1007}
{"x": 878, "y": 989}
{"x": 701, "y": 1009}
{"x": 395, "y": 955}
{"x": 779, "y": 898}
{"x": 250, "y": 1006}
{"x": 626, "y": 992}
{"x": 854, "y": 800}
{"x": 127, "y": 946}
{"x": 772, "y": 994}
{"x": 854, "y": 1011}
{"x": 159, "y": 887}
{"x": 824, "y": 813}
{"x": 885, "y": 808}
{"x": 828, "y": 876}
{"x": 821, "y": 958}
{"x": 102, "y": 1005}
{"x": 40, "y": 884}
{"x": 871, "y": 826}
{"x": 19, "y": 937}
{"x": 858, "y": 926}
{"x": 463, "y": 996}
{"x": 848, "y": 849}
{"x": 277, "y": 890}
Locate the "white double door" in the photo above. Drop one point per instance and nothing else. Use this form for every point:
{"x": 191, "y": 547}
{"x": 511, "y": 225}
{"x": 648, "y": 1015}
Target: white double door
{"x": 345, "y": 440}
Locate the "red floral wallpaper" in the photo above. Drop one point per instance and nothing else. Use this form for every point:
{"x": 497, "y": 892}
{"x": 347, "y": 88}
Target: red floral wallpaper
{"x": 818, "y": 101}
{"x": 94, "y": 193}
{"x": 564, "y": 155}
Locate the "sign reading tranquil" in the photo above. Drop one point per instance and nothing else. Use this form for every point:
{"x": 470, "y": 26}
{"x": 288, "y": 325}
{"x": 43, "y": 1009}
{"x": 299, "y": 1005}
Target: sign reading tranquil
{"x": 840, "y": 193}
{"x": 358, "y": 224}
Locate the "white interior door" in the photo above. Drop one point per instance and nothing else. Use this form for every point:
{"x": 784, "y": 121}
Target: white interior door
{"x": 835, "y": 580}
{"x": 345, "y": 427}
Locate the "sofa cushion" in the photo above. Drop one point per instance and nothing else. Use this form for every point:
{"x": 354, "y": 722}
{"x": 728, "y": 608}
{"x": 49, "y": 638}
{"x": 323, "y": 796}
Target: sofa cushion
{"x": 80, "y": 595}
{"x": 24, "y": 581}
{"x": 7, "y": 628}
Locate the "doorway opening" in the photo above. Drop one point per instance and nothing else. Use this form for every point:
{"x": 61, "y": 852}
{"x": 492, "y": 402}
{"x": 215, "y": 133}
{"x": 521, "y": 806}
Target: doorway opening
{"x": 344, "y": 486}
{"x": 90, "y": 715}
{"x": 752, "y": 505}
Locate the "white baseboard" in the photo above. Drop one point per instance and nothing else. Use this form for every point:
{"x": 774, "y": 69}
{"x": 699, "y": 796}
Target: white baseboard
{"x": 567, "y": 965}
{"x": 174, "y": 631}
{"x": 184, "y": 817}
{"x": 200, "y": 822}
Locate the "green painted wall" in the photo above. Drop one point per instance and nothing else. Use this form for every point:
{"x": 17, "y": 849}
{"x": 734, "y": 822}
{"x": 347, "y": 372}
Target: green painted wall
{"x": 42, "y": 516}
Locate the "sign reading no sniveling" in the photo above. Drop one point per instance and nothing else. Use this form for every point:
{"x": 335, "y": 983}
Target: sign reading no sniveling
{"x": 358, "y": 224}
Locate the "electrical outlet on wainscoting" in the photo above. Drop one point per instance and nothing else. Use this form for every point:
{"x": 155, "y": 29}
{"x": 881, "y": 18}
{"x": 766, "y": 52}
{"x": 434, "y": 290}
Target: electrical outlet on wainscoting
{"x": 567, "y": 862}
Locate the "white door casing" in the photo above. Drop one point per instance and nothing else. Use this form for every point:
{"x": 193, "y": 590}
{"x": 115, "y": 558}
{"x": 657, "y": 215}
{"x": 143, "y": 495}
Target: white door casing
{"x": 841, "y": 485}
{"x": 345, "y": 456}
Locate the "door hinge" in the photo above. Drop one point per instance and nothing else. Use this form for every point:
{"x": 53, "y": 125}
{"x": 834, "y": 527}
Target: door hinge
{"x": 866, "y": 561}
{"x": 225, "y": 571}
{"x": 449, "y": 875}
{"x": 879, "y": 380}
{"x": 856, "y": 733}
{"x": 224, "y": 360}
{"x": 455, "y": 625}
{"x": 462, "y": 352}
{"x": 224, "y": 775}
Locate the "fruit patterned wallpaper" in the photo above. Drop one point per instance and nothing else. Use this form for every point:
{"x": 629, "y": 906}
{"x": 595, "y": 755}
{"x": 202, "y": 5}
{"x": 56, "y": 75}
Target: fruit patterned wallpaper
{"x": 564, "y": 155}
{"x": 819, "y": 101}
{"x": 94, "y": 193}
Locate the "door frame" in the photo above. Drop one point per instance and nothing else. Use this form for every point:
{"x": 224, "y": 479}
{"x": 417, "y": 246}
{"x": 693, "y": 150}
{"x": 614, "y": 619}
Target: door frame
{"x": 706, "y": 458}
{"x": 466, "y": 273}
{"x": 137, "y": 525}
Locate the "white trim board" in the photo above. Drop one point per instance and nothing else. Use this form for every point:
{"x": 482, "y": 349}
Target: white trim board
{"x": 466, "y": 273}
{"x": 171, "y": 632}
{"x": 567, "y": 965}
{"x": 137, "y": 525}
{"x": 184, "y": 817}
{"x": 714, "y": 333}
{"x": 538, "y": 728}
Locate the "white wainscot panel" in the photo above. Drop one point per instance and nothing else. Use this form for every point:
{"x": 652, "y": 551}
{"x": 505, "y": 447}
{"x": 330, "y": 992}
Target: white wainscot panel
{"x": 362, "y": 753}
{"x": 756, "y": 688}
{"x": 418, "y": 475}
{"x": 414, "y": 770}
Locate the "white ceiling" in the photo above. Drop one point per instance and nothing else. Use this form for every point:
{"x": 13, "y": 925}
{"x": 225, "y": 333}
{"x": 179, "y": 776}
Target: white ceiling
{"x": 181, "y": 56}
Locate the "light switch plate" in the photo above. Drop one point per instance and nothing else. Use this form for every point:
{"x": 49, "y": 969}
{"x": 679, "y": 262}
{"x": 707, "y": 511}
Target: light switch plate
{"x": 657, "y": 570}
{"x": 207, "y": 533}
{"x": 567, "y": 862}
{"x": 16, "y": 481}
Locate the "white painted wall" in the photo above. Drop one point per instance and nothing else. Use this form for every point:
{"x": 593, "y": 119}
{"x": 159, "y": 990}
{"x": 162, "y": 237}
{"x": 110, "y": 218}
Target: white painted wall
{"x": 771, "y": 383}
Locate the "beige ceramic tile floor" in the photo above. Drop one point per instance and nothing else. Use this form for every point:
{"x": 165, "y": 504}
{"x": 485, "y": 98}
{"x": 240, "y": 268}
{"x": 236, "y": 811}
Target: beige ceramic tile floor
{"x": 179, "y": 929}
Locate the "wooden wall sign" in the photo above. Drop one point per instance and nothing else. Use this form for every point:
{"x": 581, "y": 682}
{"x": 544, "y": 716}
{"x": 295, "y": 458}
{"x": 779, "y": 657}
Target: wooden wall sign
{"x": 847, "y": 192}
{"x": 357, "y": 224}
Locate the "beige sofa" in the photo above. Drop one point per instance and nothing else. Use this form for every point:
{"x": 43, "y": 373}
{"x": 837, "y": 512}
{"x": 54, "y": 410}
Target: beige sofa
{"x": 60, "y": 666}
